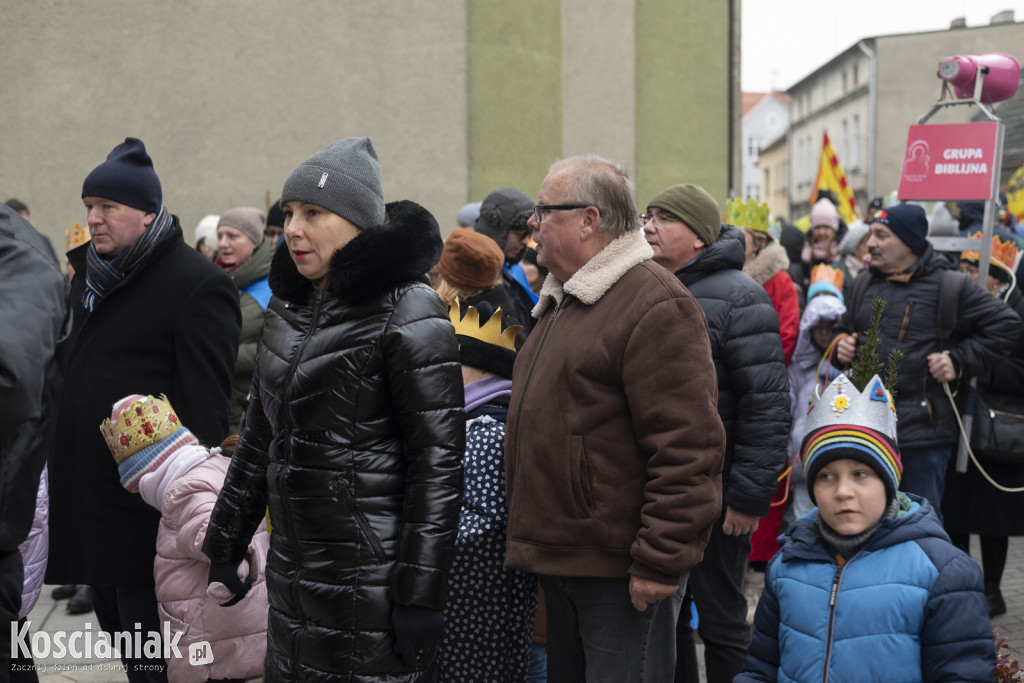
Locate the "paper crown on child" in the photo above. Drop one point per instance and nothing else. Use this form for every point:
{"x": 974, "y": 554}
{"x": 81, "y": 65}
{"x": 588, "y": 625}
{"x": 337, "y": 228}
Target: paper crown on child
{"x": 860, "y": 425}
{"x": 825, "y": 280}
{"x": 1003, "y": 253}
{"x": 142, "y": 432}
{"x": 484, "y": 346}
{"x": 753, "y": 215}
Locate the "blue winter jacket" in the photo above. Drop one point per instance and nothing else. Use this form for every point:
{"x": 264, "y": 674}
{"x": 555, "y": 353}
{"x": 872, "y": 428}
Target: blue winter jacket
{"x": 909, "y": 606}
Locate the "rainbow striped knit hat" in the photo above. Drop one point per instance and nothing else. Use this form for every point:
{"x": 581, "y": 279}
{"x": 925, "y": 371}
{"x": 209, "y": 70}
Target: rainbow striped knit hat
{"x": 142, "y": 433}
{"x": 846, "y": 423}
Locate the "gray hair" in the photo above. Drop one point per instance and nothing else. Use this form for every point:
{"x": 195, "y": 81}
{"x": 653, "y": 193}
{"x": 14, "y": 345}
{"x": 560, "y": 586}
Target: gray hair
{"x": 605, "y": 184}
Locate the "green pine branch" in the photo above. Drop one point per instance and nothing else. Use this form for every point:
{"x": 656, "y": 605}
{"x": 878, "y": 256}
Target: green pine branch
{"x": 893, "y": 364}
{"x": 866, "y": 364}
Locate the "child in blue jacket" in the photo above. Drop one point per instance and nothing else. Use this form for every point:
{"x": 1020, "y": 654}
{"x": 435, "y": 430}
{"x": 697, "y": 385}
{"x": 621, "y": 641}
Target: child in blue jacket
{"x": 867, "y": 586}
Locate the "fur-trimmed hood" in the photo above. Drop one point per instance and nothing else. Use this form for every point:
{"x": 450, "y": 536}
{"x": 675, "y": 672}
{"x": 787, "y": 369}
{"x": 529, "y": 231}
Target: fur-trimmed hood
{"x": 589, "y": 283}
{"x": 767, "y": 263}
{"x": 403, "y": 248}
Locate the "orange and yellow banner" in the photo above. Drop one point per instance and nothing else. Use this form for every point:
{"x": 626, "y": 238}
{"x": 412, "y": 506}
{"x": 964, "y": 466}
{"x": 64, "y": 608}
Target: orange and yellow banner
{"x": 831, "y": 177}
{"x": 1015, "y": 195}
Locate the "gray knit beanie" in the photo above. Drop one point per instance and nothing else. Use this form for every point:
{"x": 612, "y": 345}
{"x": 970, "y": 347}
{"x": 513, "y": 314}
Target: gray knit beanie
{"x": 248, "y": 220}
{"x": 344, "y": 178}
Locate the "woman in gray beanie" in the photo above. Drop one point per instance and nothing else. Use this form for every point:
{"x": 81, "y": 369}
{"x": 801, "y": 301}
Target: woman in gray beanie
{"x": 354, "y": 434}
{"x": 244, "y": 254}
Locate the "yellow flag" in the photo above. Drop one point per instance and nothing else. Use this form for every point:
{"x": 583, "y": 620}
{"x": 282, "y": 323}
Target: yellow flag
{"x": 1015, "y": 195}
{"x": 831, "y": 177}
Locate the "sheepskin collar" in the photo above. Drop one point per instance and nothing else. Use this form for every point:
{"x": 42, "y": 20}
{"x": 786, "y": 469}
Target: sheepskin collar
{"x": 767, "y": 263}
{"x": 403, "y": 248}
{"x": 589, "y": 283}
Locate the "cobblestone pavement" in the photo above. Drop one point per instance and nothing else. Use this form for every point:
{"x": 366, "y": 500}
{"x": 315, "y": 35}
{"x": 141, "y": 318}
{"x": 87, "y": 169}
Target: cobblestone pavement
{"x": 49, "y": 616}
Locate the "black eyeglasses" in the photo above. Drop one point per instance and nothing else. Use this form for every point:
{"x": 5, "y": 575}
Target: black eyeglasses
{"x": 660, "y": 220}
{"x": 537, "y": 208}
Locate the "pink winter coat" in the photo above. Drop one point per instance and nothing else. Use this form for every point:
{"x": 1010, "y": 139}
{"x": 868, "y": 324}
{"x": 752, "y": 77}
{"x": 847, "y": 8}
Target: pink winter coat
{"x": 237, "y": 634}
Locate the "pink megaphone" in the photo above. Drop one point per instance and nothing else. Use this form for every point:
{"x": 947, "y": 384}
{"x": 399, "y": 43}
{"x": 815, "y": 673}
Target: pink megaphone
{"x": 1001, "y": 79}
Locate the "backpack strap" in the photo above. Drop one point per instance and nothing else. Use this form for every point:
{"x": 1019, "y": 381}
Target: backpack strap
{"x": 860, "y": 287}
{"x": 951, "y": 282}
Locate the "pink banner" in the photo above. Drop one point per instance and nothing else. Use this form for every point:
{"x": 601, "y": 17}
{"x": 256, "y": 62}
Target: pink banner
{"x": 949, "y": 161}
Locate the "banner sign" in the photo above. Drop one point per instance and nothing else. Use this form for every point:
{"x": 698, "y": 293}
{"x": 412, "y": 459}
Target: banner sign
{"x": 949, "y": 161}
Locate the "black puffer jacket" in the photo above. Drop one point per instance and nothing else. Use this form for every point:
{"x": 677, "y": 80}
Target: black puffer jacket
{"x": 753, "y": 387}
{"x": 986, "y": 330}
{"x": 354, "y": 438}
{"x": 33, "y": 320}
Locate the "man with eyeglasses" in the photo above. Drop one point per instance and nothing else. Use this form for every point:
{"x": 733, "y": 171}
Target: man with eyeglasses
{"x": 683, "y": 226}
{"x": 504, "y": 216}
{"x": 614, "y": 445}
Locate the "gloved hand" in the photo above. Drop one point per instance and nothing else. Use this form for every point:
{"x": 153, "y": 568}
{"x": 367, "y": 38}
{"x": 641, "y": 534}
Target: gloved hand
{"x": 226, "y": 582}
{"x": 418, "y": 632}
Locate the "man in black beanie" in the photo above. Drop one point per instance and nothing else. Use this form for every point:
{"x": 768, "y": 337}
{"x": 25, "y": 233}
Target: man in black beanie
{"x": 151, "y": 316}
{"x": 921, "y": 291}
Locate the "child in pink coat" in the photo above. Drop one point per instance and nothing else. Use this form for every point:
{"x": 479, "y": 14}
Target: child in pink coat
{"x": 161, "y": 460}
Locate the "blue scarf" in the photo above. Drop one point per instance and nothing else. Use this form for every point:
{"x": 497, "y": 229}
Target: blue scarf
{"x": 102, "y": 275}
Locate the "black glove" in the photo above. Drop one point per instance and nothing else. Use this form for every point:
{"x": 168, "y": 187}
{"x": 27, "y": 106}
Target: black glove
{"x": 418, "y": 632}
{"x": 227, "y": 574}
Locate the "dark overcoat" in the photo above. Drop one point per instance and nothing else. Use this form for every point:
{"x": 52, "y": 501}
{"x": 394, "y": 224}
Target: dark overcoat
{"x": 169, "y": 327}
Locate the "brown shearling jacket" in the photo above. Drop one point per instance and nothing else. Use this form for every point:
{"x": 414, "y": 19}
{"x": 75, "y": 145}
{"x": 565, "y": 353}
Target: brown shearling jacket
{"x": 614, "y": 445}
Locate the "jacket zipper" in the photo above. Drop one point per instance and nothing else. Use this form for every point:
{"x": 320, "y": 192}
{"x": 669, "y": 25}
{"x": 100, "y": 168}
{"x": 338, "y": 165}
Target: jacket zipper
{"x": 906, "y": 322}
{"x": 286, "y": 401}
{"x": 526, "y": 385}
{"x": 837, "y": 579}
{"x": 339, "y": 487}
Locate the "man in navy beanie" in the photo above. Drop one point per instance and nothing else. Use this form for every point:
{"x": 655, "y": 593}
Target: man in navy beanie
{"x": 150, "y": 316}
{"x": 915, "y": 282}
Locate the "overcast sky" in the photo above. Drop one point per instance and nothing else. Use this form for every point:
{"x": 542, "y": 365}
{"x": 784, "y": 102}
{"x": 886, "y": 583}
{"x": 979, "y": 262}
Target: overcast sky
{"x": 784, "y": 40}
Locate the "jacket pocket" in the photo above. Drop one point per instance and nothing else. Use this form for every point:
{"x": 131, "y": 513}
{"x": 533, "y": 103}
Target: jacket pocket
{"x": 349, "y": 501}
{"x": 579, "y": 476}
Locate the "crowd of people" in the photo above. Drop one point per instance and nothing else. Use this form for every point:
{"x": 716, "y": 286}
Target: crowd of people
{"x": 332, "y": 445}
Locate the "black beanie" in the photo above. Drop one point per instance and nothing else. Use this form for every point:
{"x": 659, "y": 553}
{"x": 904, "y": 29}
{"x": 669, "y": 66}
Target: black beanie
{"x": 275, "y": 215}
{"x": 126, "y": 177}
{"x": 502, "y": 210}
{"x": 480, "y": 354}
{"x": 908, "y": 222}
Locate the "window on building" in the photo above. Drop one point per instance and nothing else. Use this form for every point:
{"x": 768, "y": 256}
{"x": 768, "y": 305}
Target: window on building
{"x": 824, "y": 92}
{"x": 844, "y": 81}
{"x": 855, "y": 147}
{"x": 767, "y": 182}
{"x": 844, "y": 152}
{"x": 799, "y": 160}
{"x": 855, "y": 79}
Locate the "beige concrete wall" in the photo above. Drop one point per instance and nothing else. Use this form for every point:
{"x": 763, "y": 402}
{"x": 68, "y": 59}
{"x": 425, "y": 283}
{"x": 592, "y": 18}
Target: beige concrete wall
{"x": 459, "y": 96}
{"x": 599, "y": 41}
{"x": 229, "y": 97}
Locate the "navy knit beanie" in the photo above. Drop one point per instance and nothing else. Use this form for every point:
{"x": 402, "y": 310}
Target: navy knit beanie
{"x": 126, "y": 177}
{"x": 908, "y": 222}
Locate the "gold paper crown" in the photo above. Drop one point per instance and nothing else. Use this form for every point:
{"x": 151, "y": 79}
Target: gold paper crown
{"x": 826, "y": 273}
{"x": 76, "y": 236}
{"x": 1005, "y": 253}
{"x": 489, "y": 333}
{"x": 144, "y": 422}
{"x": 751, "y": 214}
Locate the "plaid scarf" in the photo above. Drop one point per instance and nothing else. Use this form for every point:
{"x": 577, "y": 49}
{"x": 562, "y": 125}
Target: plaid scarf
{"x": 102, "y": 275}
